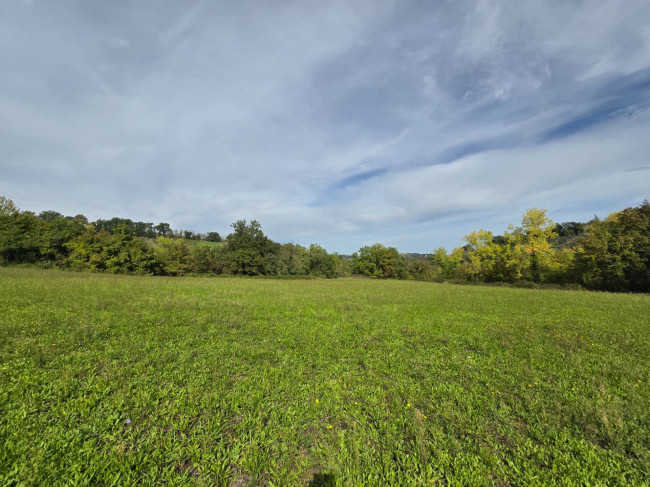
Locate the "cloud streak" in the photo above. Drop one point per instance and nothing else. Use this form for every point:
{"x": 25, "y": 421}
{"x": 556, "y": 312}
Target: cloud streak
{"x": 340, "y": 123}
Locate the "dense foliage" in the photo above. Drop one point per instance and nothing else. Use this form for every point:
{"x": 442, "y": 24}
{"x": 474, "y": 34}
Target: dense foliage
{"x": 379, "y": 261}
{"x": 614, "y": 254}
{"x": 611, "y": 254}
{"x": 122, "y": 246}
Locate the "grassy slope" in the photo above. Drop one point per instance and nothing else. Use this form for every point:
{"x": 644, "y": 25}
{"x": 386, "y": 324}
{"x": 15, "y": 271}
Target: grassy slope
{"x": 203, "y": 243}
{"x": 253, "y": 381}
{"x": 196, "y": 243}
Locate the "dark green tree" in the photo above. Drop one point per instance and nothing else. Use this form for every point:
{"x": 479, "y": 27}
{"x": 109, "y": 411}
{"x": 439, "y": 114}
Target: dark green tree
{"x": 163, "y": 229}
{"x": 50, "y": 215}
{"x": 292, "y": 260}
{"x": 213, "y": 237}
{"x": 21, "y": 239}
{"x": 82, "y": 219}
{"x": 320, "y": 263}
{"x": 614, "y": 254}
{"x": 248, "y": 248}
{"x": 56, "y": 232}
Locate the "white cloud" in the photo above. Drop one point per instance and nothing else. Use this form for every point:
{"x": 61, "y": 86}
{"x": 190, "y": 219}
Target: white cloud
{"x": 203, "y": 113}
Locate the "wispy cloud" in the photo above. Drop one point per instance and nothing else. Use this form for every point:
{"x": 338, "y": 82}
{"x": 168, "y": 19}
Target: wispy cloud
{"x": 336, "y": 122}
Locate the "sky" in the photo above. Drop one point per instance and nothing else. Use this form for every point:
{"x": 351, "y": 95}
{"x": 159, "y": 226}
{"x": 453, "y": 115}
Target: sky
{"x": 343, "y": 123}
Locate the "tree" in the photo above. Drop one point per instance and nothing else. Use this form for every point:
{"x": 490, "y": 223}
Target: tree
{"x": 213, "y": 237}
{"x": 204, "y": 260}
{"x": 247, "y": 248}
{"x": 481, "y": 255}
{"x": 379, "y": 262}
{"x": 163, "y": 229}
{"x": 523, "y": 252}
{"x": 421, "y": 269}
{"x": 445, "y": 264}
{"x": 20, "y": 234}
{"x": 143, "y": 229}
{"x": 292, "y": 259}
{"x": 85, "y": 253}
{"x": 81, "y": 219}
{"x": 49, "y": 215}
{"x": 119, "y": 253}
{"x": 567, "y": 233}
{"x": 614, "y": 254}
{"x": 320, "y": 263}
{"x": 173, "y": 255}
{"x": 247, "y": 236}
{"x": 56, "y": 232}
{"x": 7, "y": 207}
{"x": 534, "y": 238}
{"x": 111, "y": 225}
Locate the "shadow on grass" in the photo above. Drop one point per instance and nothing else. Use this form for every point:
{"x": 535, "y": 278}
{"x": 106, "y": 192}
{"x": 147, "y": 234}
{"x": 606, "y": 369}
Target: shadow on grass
{"x": 322, "y": 480}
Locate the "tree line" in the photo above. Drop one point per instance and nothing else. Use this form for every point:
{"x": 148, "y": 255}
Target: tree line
{"x": 611, "y": 254}
{"x": 123, "y": 246}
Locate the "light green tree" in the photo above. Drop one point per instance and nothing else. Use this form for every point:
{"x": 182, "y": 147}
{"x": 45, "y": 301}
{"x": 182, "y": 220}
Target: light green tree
{"x": 379, "y": 261}
{"x": 533, "y": 238}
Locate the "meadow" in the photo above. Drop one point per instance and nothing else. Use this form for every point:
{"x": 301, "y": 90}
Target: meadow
{"x": 123, "y": 380}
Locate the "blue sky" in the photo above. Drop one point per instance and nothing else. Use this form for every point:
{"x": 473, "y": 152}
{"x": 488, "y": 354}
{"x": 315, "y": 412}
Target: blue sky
{"x": 409, "y": 123}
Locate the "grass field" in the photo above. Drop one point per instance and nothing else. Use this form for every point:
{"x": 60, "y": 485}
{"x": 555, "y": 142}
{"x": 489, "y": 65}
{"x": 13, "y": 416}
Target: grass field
{"x": 112, "y": 380}
{"x": 203, "y": 243}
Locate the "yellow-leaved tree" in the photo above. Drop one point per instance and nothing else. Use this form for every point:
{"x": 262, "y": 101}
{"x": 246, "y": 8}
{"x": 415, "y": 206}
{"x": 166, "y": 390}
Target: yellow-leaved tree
{"x": 532, "y": 249}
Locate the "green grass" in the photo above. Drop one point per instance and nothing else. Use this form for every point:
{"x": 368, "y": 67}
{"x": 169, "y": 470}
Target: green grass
{"x": 203, "y": 243}
{"x": 346, "y": 382}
